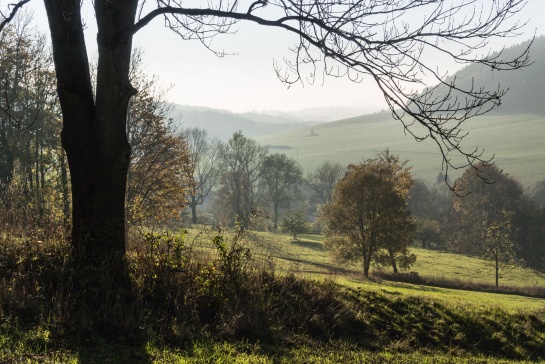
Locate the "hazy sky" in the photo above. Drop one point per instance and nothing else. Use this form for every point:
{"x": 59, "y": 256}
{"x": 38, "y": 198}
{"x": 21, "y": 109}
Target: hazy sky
{"x": 247, "y": 81}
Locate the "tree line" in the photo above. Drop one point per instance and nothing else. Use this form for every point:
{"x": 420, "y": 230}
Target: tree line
{"x": 375, "y": 210}
{"x": 170, "y": 168}
{"x": 34, "y": 176}
{"x": 495, "y": 217}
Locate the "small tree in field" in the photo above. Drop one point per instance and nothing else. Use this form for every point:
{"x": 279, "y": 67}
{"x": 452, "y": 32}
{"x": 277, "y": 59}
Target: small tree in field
{"x": 295, "y": 222}
{"x": 367, "y": 215}
{"x": 498, "y": 245}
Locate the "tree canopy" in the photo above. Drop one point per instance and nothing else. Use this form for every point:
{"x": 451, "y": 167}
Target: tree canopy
{"x": 367, "y": 216}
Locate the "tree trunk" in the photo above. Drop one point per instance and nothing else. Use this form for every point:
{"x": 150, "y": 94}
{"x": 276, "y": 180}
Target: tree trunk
{"x": 64, "y": 191}
{"x": 497, "y": 269}
{"x": 392, "y": 260}
{"x": 94, "y": 133}
{"x": 94, "y": 138}
{"x": 193, "y": 205}
{"x": 366, "y": 265}
{"x": 275, "y": 218}
{"x": 6, "y": 169}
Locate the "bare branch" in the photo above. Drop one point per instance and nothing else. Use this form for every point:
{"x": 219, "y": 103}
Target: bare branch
{"x": 14, "y": 9}
{"x": 388, "y": 41}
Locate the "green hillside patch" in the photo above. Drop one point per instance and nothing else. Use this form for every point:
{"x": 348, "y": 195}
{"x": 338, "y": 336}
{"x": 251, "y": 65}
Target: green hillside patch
{"x": 515, "y": 141}
{"x": 461, "y": 278}
{"x": 309, "y": 252}
{"x": 439, "y": 264}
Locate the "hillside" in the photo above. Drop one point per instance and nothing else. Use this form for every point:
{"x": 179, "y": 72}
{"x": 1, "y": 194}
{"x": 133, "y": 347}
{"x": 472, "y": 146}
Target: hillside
{"x": 516, "y": 141}
{"x": 307, "y": 257}
{"x": 185, "y": 310}
{"x": 513, "y": 134}
{"x": 525, "y": 86}
{"x": 222, "y": 124}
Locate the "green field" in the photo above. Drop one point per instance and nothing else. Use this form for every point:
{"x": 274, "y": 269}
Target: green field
{"x": 357, "y": 320}
{"x": 306, "y": 257}
{"x": 515, "y": 141}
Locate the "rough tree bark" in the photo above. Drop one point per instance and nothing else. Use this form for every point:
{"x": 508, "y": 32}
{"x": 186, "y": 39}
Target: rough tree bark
{"x": 98, "y": 154}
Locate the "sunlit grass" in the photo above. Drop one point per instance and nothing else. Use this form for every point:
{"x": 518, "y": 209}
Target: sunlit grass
{"x": 306, "y": 257}
{"x": 235, "y": 353}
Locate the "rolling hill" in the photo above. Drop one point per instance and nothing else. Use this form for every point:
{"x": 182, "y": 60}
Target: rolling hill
{"x": 222, "y": 124}
{"x": 516, "y": 141}
{"x": 514, "y": 134}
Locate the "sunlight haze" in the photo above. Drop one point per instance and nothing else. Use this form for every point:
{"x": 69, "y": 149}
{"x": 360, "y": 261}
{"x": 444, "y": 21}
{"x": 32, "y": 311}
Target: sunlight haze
{"x": 246, "y": 81}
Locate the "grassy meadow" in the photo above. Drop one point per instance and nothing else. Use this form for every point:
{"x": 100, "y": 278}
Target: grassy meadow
{"x": 306, "y": 256}
{"x": 207, "y": 303}
{"x": 515, "y": 141}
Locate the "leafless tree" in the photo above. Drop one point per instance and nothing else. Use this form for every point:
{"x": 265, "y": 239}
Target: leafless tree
{"x": 240, "y": 193}
{"x": 323, "y": 179}
{"x": 204, "y": 169}
{"x": 281, "y": 177}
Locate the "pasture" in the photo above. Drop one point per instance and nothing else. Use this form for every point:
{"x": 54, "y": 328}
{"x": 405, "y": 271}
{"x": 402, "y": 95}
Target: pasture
{"x": 307, "y": 258}
{"x": 515, "y": 142}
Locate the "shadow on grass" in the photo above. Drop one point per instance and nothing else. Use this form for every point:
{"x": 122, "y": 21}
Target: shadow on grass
{"x": 327, "y": 267}
{"x": 113, "y": 353}
{"x": 309, "y": 244}
{"x": 456, "y": 283}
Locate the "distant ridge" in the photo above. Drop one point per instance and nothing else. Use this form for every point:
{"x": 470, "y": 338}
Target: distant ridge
{"x": 526, "y": 86}
{"x": 223, "y": 123}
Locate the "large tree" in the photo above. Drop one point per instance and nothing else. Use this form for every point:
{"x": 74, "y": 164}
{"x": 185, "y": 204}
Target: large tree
{"x": 367, "y": 218}
{"x": 240, "y": 194}
{"x": 376, "y": 38}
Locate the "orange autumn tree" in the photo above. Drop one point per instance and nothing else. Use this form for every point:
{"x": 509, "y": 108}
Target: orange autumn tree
{"x": 160, "y": 157}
